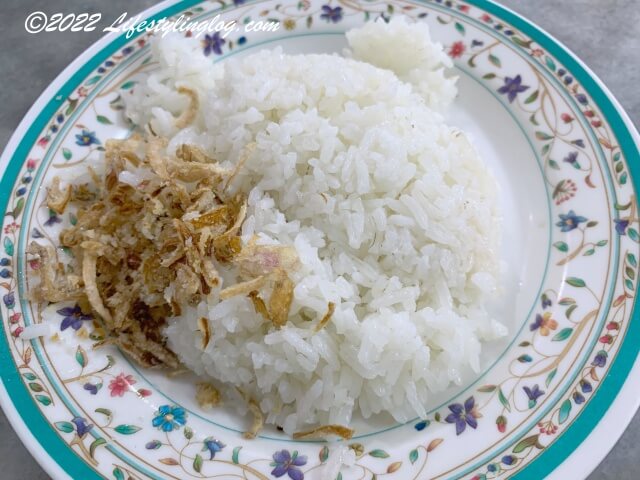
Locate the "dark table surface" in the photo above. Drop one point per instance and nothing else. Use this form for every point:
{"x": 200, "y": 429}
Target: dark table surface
{"x": 603, "y": 33}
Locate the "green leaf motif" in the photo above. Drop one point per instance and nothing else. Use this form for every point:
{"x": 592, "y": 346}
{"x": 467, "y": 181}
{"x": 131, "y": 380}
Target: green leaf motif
{"x": 127, "y": 429}
{"x": 602, "y": 243}
{"x": 550, "y": 63}
{"x": 71, "y": 107}
{"x": 487, "y": 388}
{"x": 489, "y": 76}
{"x": 566, "y": 301}
{"x": 495, "y": 60}
{"x": 523, "y": 444}
{"x": 631, "y": 258}
{"x": 532, "y": 98}
{"x": 630, "y": 273}
{"x": 104, "y": 120}
{"x": 197, "y": 463}
{"x": 629, "y": 284}
{"x": 545, "y": 149}
{"x": 339, "y": 477}
{"x": 524, "y": 344}
{"x": 553, "y": 164}
{"x": 413, "y": 456}
{"x": 188, "y": 433}
{"x": 460, "y": 28}
{"x": 503, "y": 400}
{"x": 66, "y": 153}
{"x": 379, "y": 453}
{"x": 81, "y": 357}
{"x": 324, "y": 454}
{"x": 92, "y": 80}
{"x": 36, "y": 387}
{"x": 543, "y": 136}
{"x": 66, "y": 427}
{"x": 128, "y": 85}
{"x": 104, "y": 411}
{"x": 235, "y": 455}
{"x": 562, "y": 246}
{"x": 117, "y": 473}
{"x": 633, "y": 234}
{"x": 525, "y": 358}
{"x": 552, "y": 374}
{"x": 95, "y": 444}
{"x": 623, "y": 178}
{"x": 575, "y": 282}
{"x": 565, "y": 409}
{"x": 44, "y": 400}
{"x": 521, "y": 42}
{"x": 17, "y": 210}
{"x": 562, "y": 335}
{"x": 570, "y": 310}
{"x": 616, "y": 157}
{"x": 29, "y": 376}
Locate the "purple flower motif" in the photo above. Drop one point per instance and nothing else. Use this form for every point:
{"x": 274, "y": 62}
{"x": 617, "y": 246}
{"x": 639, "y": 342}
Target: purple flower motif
{"x": 578, "y": 398}
{"x": 213, "y": 43}
{"x": 153, "y": 445}
{"x": 512, "y": 87}
{"x": 9, "y": 300}
{"x": 621, "y": 225}
{"x": 463, "y": 415}
{"x": 570, "y": 221}
{"x": 509, "y": 459}
{"x": 586, "y": 386}
{"x": 214, "y": 446}
{"x": 331, "y": 14}
{"x": 600, "y": 360}
{"x": 81, "y": 426}
{"x": 91, "y": 388}
{"x": 582, "y": 98}
{"x": 53, "y": 219}
{"x": 87, "y": 138}
{"x": 238, "y": 2}
{"x": 476, "y": 43}
{"x": 571, "y": 158}
{"x": 533, "y": 394}
{"x": 35, "y": 233}
{"x": 73, "y": 317}
{"x": 285, "y": 462}
{"x": 546, "y": 301}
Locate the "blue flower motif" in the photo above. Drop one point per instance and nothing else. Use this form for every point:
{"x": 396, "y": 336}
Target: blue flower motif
{"x": 35, "y": 233}
{"x": 582, "y": 98}
{"x": 87, "y": 138}
{"x": 586, "y": 386}
{"x": 288, "y": 463}
{"x": 546, "y": 301}
{"x": 169, "y": 418}
{"x": 421, "y": 425}
{"x": 214, "y": 446}
{"x": 571, "y": 158}
{"x": 463, "y": 415}
{"x": 153, "y": 445}
{"x": 512, "y": 87}
{"x": 509, "y": 459}
{"x": 5, "y": 262}
{"x": 81, "y": 426}
{"x": 73, "y": 317}
{"x": 492, "y": 467}
{"x": 570, "y": 221}
{"x": 5, "y": 273}
{"x": 213, "y": 43}
{"x": 578, "y": 398}
{"x": 600, "y": 360}
{"x": 53, "y": 219}
{"x": 533, "y": 394}
{"x": 331, "y": 14}
{"x": 91, "y": 388}
{"x": 9, "y": 300}
{"x": 476, "y": 43}
{"x": 238, "y": 2}
{"x": 621, "y": 226}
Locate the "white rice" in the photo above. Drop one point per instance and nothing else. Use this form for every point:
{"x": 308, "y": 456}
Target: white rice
{"x": 391, "y": 212}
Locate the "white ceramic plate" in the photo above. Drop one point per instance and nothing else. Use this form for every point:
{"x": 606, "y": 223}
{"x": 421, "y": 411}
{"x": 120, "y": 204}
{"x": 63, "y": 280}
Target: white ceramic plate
{"x": 566, "y": 157}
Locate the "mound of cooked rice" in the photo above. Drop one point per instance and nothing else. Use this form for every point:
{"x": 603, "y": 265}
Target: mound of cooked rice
{"x": 391, "y": 212}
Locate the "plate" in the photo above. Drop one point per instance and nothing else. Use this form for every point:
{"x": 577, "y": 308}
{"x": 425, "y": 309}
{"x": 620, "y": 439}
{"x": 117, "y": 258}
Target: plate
{"x": 554, "y": 397}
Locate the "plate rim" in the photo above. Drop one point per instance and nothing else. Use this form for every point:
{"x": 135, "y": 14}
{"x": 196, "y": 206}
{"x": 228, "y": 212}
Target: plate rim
{"x": 618, "y": 387}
